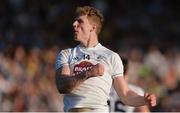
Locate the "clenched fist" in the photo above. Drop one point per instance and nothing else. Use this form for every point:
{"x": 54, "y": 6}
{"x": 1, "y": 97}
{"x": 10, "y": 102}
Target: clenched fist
{"x": 97, "y": 70}
{"x": 150, "y": 99}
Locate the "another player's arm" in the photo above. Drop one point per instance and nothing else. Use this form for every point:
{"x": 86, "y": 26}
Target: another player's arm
{"x": 129, "y": 97}
{"x": 66, "y": 83}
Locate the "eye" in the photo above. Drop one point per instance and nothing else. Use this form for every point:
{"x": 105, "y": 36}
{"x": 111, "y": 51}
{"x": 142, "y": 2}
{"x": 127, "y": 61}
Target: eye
{"x": 80, "y": 21}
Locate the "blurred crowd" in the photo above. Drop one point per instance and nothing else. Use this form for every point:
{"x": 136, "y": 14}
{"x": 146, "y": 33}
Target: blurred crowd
{"x": 33, "y": 32}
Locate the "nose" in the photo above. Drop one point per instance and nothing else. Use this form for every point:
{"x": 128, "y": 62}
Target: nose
{"x": 75, "y": 24}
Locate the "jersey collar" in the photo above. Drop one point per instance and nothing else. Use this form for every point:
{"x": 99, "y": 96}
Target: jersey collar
{"x": 89, "y": 48}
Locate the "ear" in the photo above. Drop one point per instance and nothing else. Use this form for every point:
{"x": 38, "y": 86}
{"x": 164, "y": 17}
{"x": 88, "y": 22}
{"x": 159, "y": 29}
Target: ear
{"x": 93, "y": 28}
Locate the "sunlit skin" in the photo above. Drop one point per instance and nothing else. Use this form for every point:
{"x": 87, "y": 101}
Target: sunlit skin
{"x": 85, "y": 32}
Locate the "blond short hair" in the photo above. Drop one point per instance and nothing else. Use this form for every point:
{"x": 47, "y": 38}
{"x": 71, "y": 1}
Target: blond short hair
{"x": 93, "y": 14}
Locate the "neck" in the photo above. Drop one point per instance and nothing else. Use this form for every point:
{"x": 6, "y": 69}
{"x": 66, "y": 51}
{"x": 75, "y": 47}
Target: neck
{"x": 91, "y": 42}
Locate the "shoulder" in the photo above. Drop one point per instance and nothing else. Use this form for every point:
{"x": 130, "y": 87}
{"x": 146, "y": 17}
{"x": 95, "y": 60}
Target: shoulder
{"x": 68, "y": 51}
{"x": 65, "y": 51}
{"x": 108, "y": 52}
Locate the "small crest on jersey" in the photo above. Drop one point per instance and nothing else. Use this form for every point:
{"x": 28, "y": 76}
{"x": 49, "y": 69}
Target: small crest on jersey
{"x": 82, "y": 66}
{"x": 76, "y": 58}
{"x": 99, "y": 57}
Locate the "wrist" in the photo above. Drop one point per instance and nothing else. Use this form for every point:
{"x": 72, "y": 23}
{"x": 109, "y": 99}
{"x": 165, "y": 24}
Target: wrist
{"x": 88, "y": 74}
{"x": 145, "y": 101}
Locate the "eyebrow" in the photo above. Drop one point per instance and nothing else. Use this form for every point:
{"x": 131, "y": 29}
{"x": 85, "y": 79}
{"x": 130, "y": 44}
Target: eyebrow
{"x": 78, "y": 19}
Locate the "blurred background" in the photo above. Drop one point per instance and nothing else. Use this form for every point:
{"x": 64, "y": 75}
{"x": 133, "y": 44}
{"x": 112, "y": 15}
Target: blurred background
{"x": 32, "y": 32}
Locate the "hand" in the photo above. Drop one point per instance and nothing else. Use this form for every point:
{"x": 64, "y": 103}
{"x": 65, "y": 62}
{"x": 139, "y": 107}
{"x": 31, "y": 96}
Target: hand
{"x": 150, "y": 99}
{"x": 97, "y": 70}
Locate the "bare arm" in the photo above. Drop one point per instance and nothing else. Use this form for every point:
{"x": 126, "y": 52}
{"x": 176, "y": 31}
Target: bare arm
{"x": 66, "y": 83}
{"x": 129, "y": 97}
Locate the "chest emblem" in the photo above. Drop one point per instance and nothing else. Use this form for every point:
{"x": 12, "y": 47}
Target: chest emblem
{"x": 82, "y": 66}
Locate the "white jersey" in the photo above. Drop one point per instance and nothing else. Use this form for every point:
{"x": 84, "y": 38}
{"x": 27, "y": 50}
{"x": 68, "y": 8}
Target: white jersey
{"x": 93, "y": 92}
{"x": 116, "y": 104}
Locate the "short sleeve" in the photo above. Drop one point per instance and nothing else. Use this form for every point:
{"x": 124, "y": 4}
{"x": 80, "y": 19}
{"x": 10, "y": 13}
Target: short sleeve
{"x": 117, "y": 66}
{"x": 62, "y": 59}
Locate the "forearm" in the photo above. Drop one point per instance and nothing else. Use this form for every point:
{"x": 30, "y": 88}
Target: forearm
{"x": 65, "y": 84}
{"x": 133, "y": 99}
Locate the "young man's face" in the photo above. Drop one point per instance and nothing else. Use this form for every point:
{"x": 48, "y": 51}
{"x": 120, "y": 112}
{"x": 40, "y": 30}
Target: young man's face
{"x": 82, "y": 28}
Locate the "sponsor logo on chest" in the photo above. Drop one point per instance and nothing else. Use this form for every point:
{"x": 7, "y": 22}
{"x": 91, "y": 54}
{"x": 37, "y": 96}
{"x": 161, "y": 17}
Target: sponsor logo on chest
{"x": 82, "y": 66}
